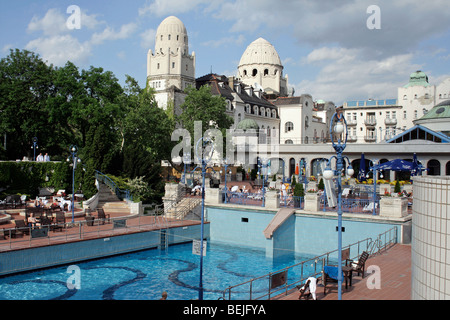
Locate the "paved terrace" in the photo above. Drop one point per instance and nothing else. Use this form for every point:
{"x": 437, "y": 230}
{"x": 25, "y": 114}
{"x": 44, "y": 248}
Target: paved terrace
{"x": 80, "y": 231}
{"x": 395, "y": 270}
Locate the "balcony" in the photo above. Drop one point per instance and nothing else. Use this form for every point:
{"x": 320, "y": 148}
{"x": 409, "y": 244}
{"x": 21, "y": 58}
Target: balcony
{"x": 351, "y": 138}
{"x": 390, "y": 121}
{"x": 352, "y": 122}
{"x": 370, "y": 138}
{"x": 370, "y": 122}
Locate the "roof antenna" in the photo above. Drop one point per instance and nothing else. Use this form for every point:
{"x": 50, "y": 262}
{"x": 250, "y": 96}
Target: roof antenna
{"x": 211, "y": 69}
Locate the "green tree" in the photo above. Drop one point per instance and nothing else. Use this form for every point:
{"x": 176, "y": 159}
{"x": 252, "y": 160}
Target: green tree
{"x": 146, "y": 137}
{"x": 25, "y": 84}
{"x": 201, "y": 105}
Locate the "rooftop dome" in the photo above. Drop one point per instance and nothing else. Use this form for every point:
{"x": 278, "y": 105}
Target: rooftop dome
{"x": 247, "y": 124}
{"x": 260, "y": 51}
{"x": 171, "y": 33}
{"x": 439, "y": 111}
{"x": 418, "y": 78}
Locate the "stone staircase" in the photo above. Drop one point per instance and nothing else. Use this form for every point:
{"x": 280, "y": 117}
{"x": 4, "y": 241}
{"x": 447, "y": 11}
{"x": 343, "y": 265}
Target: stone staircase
{"x": 110, "y": 203}
{"x": 183, "y": 208}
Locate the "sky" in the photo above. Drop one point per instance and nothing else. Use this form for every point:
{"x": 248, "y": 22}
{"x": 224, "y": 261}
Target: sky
{"x": 335, "y": 50}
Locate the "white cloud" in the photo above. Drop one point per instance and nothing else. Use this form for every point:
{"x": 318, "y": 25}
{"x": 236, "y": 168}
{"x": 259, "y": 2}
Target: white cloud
{"x": 53, "y": 23}
{"x": 59, "y": 44}
{"x": 59, "y": 49}
{"x": 170, "y": 7}
{"x": 345, "y": 74}
{"x": 109, "y": 34}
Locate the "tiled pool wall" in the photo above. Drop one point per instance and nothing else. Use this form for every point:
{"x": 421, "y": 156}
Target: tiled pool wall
{"x": 72, "y": 252}
{"x": 430, "y": 245}
{"x": 300, "y": 234}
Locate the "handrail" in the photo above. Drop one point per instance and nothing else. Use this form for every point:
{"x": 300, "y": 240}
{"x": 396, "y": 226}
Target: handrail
{"x": 83, "y": 230}
{"x": 120, "y": 193}
{"x": 324, "y": 258}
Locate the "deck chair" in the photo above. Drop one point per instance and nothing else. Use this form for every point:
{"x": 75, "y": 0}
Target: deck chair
{"x": 304, "y": 291}
{"x": 359, "y": 266}
{"x": 60, "y": 222}
{"x": 102, "y": 216}
{"x": 22, "y": 227}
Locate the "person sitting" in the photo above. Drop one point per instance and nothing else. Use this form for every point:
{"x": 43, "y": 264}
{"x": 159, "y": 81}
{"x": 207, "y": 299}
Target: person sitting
{"x": 32, "y": 222}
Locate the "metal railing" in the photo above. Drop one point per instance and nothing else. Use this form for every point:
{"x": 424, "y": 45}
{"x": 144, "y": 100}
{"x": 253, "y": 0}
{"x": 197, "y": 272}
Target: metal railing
{"x": 120, "y": 193}
{"x": 292, "y": 202}
{"x": 262, "y": 287}
{"x": 79, "y": 230}
{"x": 353, "y": 205}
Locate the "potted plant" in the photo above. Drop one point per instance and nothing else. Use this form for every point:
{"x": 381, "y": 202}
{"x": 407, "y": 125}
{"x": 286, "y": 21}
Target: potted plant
{"x": 299, "y": 193}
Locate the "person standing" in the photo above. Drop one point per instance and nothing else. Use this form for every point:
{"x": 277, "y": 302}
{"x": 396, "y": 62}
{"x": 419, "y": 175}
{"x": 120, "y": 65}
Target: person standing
{"x": 40, "y": 158}
{"x": 46, "y": 157}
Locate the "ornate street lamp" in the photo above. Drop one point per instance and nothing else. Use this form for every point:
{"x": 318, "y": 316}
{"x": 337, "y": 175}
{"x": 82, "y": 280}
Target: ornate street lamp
{"x": 75, "y": 160}
{"x": 34, "y": 147}
{"x": 338, "y": 125}
{"x": 200, "y": 155}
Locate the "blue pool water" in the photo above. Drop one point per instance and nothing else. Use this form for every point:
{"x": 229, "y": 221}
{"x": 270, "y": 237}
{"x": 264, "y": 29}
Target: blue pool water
{"x": 146, "y": 274}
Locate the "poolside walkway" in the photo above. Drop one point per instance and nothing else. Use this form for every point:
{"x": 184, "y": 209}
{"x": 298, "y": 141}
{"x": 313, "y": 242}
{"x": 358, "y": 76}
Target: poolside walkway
{"x": 395, "y": 279}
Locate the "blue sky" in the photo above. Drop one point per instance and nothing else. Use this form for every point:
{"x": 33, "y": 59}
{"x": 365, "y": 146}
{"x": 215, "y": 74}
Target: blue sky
{"x": 325, "y": 46}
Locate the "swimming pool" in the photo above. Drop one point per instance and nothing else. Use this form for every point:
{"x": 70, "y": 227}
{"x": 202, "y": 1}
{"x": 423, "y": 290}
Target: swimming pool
{"x": 146, "y": 274}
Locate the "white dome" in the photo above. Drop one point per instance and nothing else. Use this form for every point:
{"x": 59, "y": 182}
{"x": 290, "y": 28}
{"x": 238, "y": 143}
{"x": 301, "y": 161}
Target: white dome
{"x": 260, "y": 51}
{"x": 172, "y": 34}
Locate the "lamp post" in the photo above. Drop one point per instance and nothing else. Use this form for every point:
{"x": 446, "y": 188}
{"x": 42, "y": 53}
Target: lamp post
{"x": 374, "y": 168}
{"x": 339, "y": 128}
{"x": 34, "y": 147}
{"x": 75, "y": 160}
{"x": 202, "y": 142}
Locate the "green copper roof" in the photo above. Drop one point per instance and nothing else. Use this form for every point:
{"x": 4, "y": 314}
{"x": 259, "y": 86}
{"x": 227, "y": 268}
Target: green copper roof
{"x": 417, "y": 78}
{"x": 247, "y": 124}
{"x": 439, "y": 111}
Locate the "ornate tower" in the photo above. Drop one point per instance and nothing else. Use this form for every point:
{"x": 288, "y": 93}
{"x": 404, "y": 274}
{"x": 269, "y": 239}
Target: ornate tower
{"x": 261, "y": 64}
{"x": 170, "y": 68}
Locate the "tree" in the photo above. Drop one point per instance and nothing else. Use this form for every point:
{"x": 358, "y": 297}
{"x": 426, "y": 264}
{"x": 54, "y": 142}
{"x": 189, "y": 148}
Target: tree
{"x": 146, "y": 137}
{"x": 26, "y": 82}
{"x": 201, "y": 105}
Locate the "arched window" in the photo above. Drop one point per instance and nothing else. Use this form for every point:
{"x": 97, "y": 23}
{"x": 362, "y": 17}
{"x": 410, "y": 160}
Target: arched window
{"x": 247, "y": 108}
{"x": 266, "y": 72}
{"x": 254, "y": 72}
{"x": 245, "y": 72}
{"x": 289, "y": 141}
{"x": 274, "y": 114}
{"x": 255, "y": 110}
{"x": 229, "y": 106}
{"x": 289, "y": 126}
{"x": 261, "y": 111}
{"x": 434, "y": 168}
